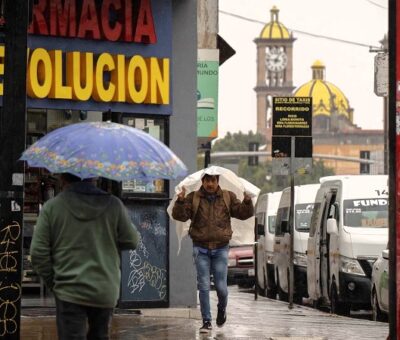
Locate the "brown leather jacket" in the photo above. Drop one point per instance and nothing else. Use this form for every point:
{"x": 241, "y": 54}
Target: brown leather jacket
{"x": 211, "y": 227}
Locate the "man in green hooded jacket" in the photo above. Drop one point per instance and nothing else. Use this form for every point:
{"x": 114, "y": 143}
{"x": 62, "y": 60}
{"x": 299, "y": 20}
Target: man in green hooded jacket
{"x": 76, "y": 249}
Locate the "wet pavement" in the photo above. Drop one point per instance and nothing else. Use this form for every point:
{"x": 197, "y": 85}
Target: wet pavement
{"x": 247, "y": 320}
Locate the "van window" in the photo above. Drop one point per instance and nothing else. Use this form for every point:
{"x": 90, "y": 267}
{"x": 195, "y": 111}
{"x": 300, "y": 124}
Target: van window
{"x": 369, "y": 213}
{"x": 271, "y": 224}
{"x": 282, "y": 215}
{"x": 260, "y": 218}
{"x": 303, "y": 214}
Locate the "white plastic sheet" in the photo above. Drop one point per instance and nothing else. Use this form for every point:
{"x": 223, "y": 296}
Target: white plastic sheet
{"x": 243, "y": 231}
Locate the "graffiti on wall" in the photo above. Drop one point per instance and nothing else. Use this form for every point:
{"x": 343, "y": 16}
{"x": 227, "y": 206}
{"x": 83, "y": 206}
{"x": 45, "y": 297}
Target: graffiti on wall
{"x": 10, "y": 292}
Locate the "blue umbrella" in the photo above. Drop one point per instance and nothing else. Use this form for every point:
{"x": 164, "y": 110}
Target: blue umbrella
{"x": 104, "y": 149}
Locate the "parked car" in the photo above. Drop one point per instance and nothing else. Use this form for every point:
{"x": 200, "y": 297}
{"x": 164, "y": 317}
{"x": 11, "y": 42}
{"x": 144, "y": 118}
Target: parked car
{"x": 241, "y": 266}
{"x": 380, "y": 287}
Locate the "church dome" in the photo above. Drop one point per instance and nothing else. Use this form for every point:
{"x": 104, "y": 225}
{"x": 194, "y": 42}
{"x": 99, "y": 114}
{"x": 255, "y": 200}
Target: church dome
{"x": 275, "y": 29}
{"x": 326, "y": 97}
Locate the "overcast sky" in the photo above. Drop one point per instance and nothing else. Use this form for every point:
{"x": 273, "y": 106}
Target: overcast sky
{"x": 350, "y": 66}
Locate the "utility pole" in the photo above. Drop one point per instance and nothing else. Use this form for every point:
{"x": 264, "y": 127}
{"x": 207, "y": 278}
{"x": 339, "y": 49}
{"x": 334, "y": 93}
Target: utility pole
{"x": 381, "y": 89}
{"x": 12, "y": 141}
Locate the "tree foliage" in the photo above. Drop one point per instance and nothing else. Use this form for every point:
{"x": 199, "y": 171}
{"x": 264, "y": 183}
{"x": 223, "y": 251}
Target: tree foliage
{"x": 237, "y": 141}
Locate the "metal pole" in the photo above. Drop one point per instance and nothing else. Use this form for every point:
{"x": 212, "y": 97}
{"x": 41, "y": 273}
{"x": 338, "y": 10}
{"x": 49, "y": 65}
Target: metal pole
{"x": 207, "y": 154}
{"x": 385, "y": 135}
{"x": 394, "y": 187}
{"x": 12, "y": 141}
{"x": 207, "y": 158}
{"x": 291, "y": 224}
{"x": 255, "y": 255}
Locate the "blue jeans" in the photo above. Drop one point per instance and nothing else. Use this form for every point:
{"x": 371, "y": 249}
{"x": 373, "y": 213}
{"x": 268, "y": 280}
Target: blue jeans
{"x": 213, "y": 262}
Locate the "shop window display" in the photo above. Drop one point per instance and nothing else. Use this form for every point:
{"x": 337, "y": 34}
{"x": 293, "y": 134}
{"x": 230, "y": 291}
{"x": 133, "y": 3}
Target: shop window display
{"x": 39, "y": 186}
{"x": 156, "y": 128}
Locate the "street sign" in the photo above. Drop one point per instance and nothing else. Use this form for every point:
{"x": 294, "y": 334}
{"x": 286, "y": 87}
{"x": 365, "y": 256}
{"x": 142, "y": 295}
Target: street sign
{"x": 291, "y": 141}
{"x": 381, "y": 80}
{"x": 281, "y": 147}
{"x": 292, "y": 116}
{"x": 281, "y": 152}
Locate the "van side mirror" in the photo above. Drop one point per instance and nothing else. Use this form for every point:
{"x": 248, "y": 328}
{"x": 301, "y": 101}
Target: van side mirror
{"x": 331, "y": 226}
{"x": 260, "y": 229}
{"x": 385, "y": 254}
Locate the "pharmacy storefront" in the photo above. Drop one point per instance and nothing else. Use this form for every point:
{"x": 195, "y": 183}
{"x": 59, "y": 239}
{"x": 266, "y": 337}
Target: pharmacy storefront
{"x": 91, "y": 60}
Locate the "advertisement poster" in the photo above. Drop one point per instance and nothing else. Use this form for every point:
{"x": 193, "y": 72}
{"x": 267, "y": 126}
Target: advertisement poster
{"x": 207, "y": 93}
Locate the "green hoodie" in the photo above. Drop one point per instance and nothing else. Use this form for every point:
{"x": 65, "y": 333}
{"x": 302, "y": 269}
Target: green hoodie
{"x": 76, "y": 245}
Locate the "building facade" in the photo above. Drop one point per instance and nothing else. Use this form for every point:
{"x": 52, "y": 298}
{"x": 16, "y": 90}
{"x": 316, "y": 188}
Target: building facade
{"x": 274, "y": 69}
{"x": 334, "y": 132}
{"x": 130, "y": 62}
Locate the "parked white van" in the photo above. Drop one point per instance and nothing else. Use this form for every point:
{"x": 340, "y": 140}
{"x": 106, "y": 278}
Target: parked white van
{"x": 266, "y": 208}
{"x": 304, "y": 196}
{"x": 349, "y": 229}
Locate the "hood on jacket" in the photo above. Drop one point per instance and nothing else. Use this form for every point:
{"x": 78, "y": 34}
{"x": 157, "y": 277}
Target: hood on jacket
{"x": 85, "y": 201}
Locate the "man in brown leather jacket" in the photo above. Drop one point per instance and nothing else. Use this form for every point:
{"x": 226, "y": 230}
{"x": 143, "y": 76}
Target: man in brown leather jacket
{"x": 210, "y": 210}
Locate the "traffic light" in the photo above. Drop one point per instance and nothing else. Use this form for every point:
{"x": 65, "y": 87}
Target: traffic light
{"x": 253, "y": 160}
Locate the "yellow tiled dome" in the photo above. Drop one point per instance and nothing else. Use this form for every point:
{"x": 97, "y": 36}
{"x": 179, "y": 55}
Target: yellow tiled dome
{"x": 326, "y": 97}
{"x": 274, "y": 29}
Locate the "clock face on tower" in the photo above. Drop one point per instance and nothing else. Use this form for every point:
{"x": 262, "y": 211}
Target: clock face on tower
{"x": 276, "y": 60}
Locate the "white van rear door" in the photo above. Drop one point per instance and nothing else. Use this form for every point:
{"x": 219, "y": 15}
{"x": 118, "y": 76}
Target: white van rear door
{"x": 315, "y": 246}
{"x": 313, "y": 267}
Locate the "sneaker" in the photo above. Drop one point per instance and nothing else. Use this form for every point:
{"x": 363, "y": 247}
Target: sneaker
{"x": 221, "y": 317}
{"x": 206, "y": 328}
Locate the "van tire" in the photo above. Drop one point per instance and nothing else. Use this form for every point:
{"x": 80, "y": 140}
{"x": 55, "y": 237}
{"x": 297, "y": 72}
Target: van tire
{"x": 269, "y": 293}
{"x": 261, "y": 290}
{"x": 281, "y": 294}
{"x": 297, "y": 299}
{"x": 377, "y": 314}
{"x": 316, "y": 304}
{"x": 338, "y": 307}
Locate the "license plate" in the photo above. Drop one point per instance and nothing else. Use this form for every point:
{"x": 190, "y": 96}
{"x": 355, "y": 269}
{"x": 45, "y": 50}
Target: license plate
{"x": 251, "y": 272}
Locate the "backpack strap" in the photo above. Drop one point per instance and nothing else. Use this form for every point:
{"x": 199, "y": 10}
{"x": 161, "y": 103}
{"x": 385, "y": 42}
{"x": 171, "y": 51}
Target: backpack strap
{"x": 195, "y": 203}
{"x": 227, "y": 200}
{"x": 195, "y": 206}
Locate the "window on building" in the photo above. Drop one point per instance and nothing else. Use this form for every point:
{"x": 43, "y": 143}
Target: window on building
{"x": 365, "y": 167}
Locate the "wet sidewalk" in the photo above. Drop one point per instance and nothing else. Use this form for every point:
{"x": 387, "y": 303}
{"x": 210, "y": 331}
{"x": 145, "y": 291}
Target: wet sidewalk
{"x": 247, "y": 320}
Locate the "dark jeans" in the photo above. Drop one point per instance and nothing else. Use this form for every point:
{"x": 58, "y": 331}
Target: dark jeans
{"x": 72, "y": 321}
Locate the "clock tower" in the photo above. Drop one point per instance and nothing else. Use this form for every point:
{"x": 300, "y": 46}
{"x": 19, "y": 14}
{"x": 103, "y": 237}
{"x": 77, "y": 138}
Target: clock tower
{"x": 274, "y": 69}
